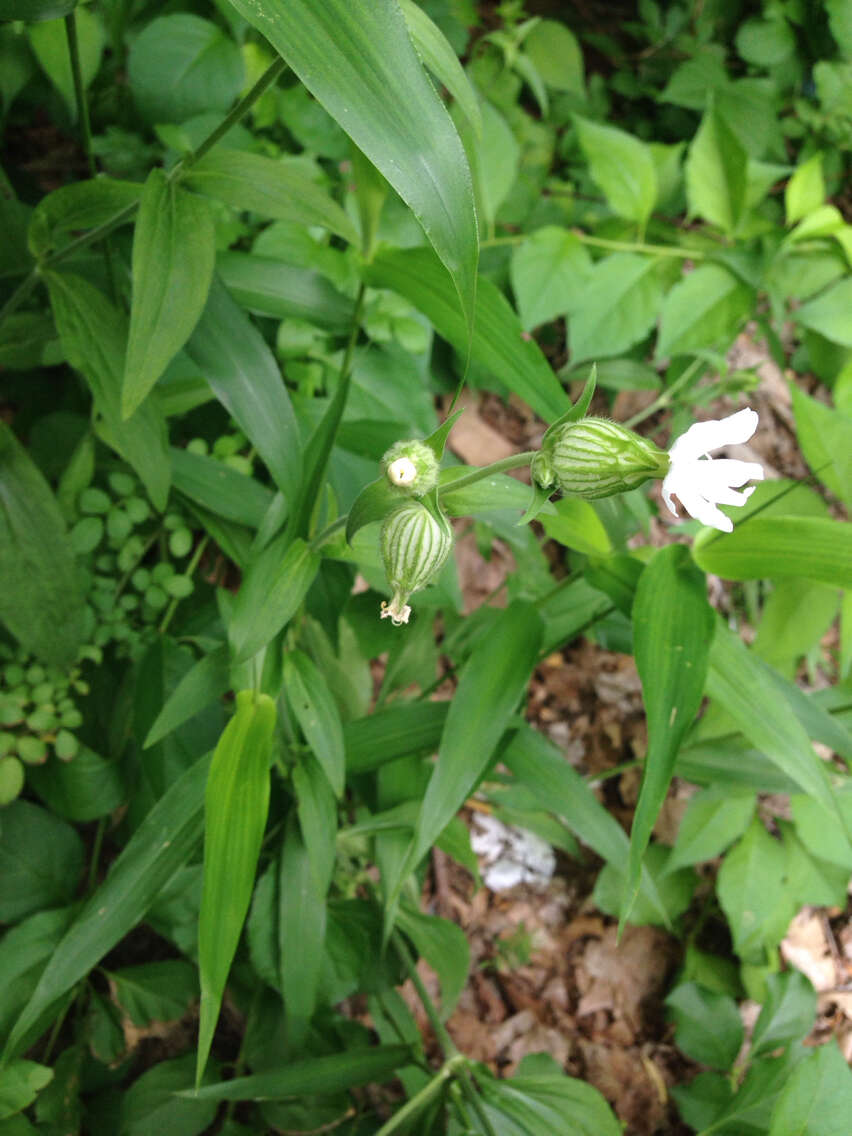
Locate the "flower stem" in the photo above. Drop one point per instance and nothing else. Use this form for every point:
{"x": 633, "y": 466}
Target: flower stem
{"x": 420, "y": 1100}
{"x": 607, "y": 243}
{"x": 666, "y": 397}
{"x": 79, "y": 90}
{"x": 512, "y": 462}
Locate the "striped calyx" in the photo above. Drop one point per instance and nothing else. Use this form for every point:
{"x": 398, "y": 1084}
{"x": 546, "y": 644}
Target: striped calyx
{"x": 415, "y": 545}
{"x": 596, "y": 458}
{"x": 411, "y": 467}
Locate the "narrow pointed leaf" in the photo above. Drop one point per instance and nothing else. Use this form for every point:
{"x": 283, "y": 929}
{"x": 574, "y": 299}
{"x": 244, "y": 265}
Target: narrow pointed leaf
{"x": 672, "y": 631}
{"x": 816, "y": 548}
{"x": 316, "y": 712}
{"x": 206, "y": 681}
{"x": 492, "y": 683}
{"x": 160, "y": 846}
{"x": 94, "y": 338}
{"x": 317, "y": 809}
{"x": 278, "y": 188}
{"x": 357, "y": 60}
{"x": 173, "y": 254}
{"x": 373, "y": 503}
{"x": 301, "y": 933}
{"x": 499, "y": 342}
{"x": 271, "y": 592}
{"x": 235, "y": 807}
{"x": 437, "y": 54}
{"x": 242, "y": 373}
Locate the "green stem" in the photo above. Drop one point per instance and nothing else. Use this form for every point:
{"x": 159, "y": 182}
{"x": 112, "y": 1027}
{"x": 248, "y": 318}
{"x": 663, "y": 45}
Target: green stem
{"x": 464, "y": 1078}
{"x": 20, "y": 294}
{"x": 606, "y": 243}
{"x": 190, "y": 568}
{"x": 666, "y": 397}
{"x": 79, "y": 90}
{"x": 448, "y": 1046}
{"x": 100, "y": 832}
{"x": 329, "y": 531}
{"x": 513, "y": 462}
{"x": 232, "y": 118}
{"x": 420, "y": 1100}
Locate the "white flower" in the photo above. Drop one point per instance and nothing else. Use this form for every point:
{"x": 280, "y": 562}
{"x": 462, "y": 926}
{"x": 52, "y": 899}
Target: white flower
{"x": 701, "y": 482}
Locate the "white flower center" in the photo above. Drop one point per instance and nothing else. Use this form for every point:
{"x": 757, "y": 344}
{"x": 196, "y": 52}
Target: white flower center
{"x": 402, "y": 472}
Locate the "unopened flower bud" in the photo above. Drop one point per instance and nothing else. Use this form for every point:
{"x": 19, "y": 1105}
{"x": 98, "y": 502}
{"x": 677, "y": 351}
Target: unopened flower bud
{"x": 411, "y": 467}
{"x": 596, "y": 458}
{"x": 415, "y": 546}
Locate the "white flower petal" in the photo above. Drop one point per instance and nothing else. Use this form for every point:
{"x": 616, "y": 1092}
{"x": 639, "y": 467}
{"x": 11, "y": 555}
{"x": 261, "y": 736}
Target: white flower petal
{"x": 669, "y": 487}
{"x": 703, "y": 510}
{"x": 703, "y": 437}
{"x": 725, "y": 472}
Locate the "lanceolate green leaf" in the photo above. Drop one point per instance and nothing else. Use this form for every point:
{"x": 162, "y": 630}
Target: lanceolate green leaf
{"x": 498, "y": 343}
{"x": 716, "y": 173}
{"x": 206, "y": 681}
{"x": 438, "y": 55}
{"x": 235, "y": 806}
{"x": 622, "y": 166}
{"x": 271, "y": 592}
{"x": 672, "y": 630}
{"x": 277, "y": 188}
{"x": 80, "y": 205}
{"x": 301, "y": 932}
{"x": 744, "y": 687}
{"x": 219, "y": 488}
{"x": 94, "y": 336}
{"x": 317, "y": 714}
{"x": 494, "y": 678}
{"x": 356, "y": 58}
{"x": 816, "y": 548}
{"x": 41, "y": 601}
{"x": 173, "y": 254}
{"x": 162, "y": 844}
{"x": 703, "y": 310}
{"x": 325, "y": 1075}
{"x": 270, "y": 287}
{"x": 242, "y": 373}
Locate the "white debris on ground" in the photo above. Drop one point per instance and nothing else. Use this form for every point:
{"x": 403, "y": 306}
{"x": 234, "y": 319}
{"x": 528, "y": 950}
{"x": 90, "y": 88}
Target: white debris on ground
{"x": 510, "y": 855}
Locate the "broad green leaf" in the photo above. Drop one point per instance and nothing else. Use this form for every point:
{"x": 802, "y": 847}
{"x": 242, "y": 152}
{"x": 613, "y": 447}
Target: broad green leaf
{"x": 317, "y": 809}
{"x": 41, "y": 600}
{"x": 20, "y": 1083}
{"x": 94, "y": 337}
{"x": 828, "y": 313}
{"x": 24, "y": 951}
{"x": 787, "y": 1014}
{"x": 821, "y": 830}
{"x": 316, "y": 712}
{"x": 50, "y": 47}
{"x": 766, "y": 42}
{"x": 219, "y": 488}
{"x": 180, "y": 66}
{"x": 271, "y": 592}
{"x": 794, "y": 618}
{"x": 577, "y": 525}
{"x": 80, "y": 205}
{"x": 278, "y": 188}
{"x": 496, "y": 163}
{"x": 840, "y": 22}
{"x": 236, "y": 801}
{"x": 716, "y": 1109}
{"x": 707, "y": 1024}
{"x": 813, "y": 547}
{"x": 317, "y": 1075}
{"x": 444, "y": 947}
{"x": 158, "y": 848}
{"x": 752, "y": 893}
{"x": 301, "y": 933}
{"x": 805, "y": 191}
{"x": 173, "y": 254}
{"x": 549, "y": 271}
{"x": 715, "y": 817}
{"x": 41, "y": 858}
{"x": 545, "y": 1101}
{"x": 356, "y": 59}
{"x": 739, "y": 682}
{"x": 155, "y": 991}
{"x": 617, "y": 308}
{"x": 811, "y": 879}
{"x": 437, "y": 54}
{"x": 622, "y": 166}
{"x": 492, "y": 682}
{"x": 152, "y": 1104}
{"x": 242, "y": 373}
{"x": 83, "y": 789}
{"x": 703, "y": 310}
{"x": 672, "y": 631}
{"x": 825, "y": 438}
{"x": 270, "y": 287}
{"x": 384, "y": 736}
{"x": 205, "y": 682}
{"x": 716, "y": 173}
{"x": 498, "y": 343}
{"x": 557, "y": 56}
{"x": 817, "y": 1098}
{"x": 28, "y": 340}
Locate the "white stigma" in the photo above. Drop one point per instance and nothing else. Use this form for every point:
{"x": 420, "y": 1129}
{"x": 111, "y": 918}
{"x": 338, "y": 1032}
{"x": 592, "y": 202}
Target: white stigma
{"x": 402, "y": 472}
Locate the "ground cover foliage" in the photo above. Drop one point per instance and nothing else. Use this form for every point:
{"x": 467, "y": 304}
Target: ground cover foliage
{"x": 247, "y": 249}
